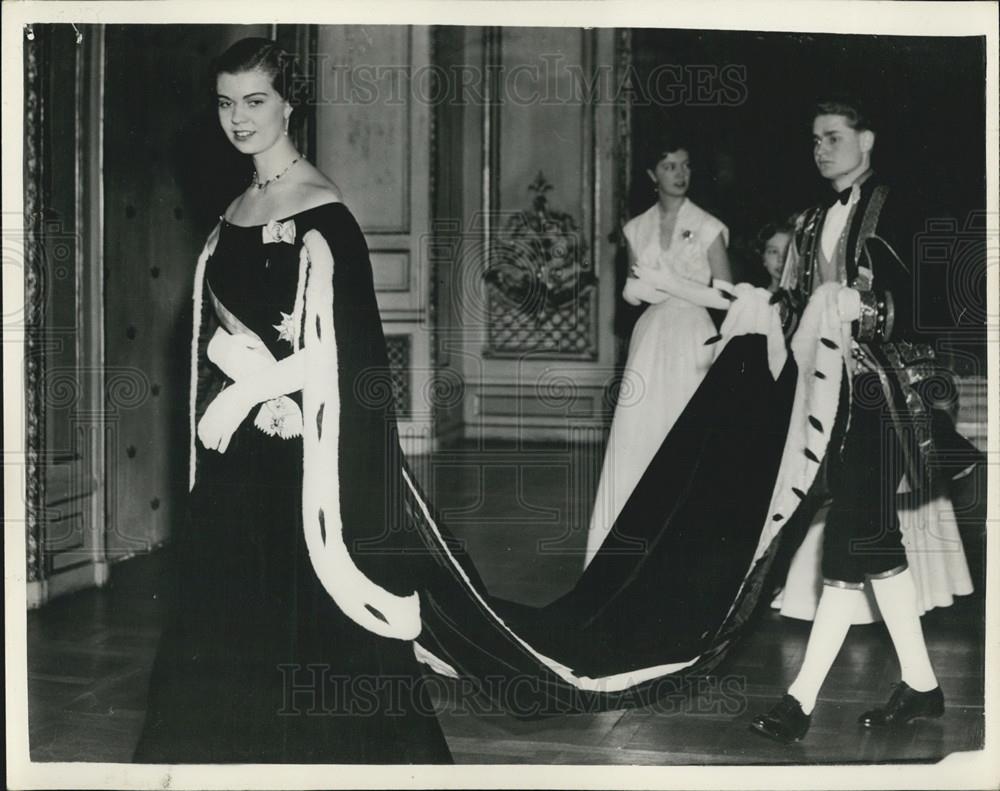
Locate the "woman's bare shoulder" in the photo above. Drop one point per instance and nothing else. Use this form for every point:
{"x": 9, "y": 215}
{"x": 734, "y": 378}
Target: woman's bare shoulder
{"x": 319, "y": 196}
{"x": 317, "y": 188}
{"x": 233, "y": 209}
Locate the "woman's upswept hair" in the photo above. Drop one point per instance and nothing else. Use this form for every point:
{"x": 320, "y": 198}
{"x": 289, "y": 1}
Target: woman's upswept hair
{"x": 262, "y": 54}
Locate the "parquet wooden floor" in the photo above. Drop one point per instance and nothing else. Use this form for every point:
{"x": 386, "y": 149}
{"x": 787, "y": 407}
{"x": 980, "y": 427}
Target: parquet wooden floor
{"x": 89, "y": 654}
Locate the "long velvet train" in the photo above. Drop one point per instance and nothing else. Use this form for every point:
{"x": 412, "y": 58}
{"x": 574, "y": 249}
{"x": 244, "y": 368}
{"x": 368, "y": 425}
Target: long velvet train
{"x": 659, "y": 597}
{"x": 673, "y": 585}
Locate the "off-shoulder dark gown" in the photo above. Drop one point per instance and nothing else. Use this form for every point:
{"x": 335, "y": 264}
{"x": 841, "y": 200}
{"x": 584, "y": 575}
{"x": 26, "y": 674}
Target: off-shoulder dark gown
{"x": 259, "y": 665}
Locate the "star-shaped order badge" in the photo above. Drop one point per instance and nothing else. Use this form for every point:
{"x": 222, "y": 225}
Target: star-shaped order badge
{"x": 286, "y": 329}
{"x": 280, "y": 417}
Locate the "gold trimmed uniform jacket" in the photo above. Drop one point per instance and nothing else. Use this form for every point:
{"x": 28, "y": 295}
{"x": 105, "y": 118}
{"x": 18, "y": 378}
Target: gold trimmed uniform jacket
{"x": 892, "y": 337}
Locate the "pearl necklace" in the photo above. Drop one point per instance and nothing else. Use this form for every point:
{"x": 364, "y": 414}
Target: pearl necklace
{"x": 262, "y": 184}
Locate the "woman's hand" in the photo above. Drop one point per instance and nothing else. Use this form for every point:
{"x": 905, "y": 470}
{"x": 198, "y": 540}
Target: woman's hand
{"x": 653, "y": 277}
{"x": 636, "y": 292}
{"x": 645, "y": 263}
{"x": 223, "y": 416}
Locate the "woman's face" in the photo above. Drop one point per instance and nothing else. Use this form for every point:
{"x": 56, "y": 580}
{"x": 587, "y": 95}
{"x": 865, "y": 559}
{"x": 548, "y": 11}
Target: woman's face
{"x": 774, "y": 254}
{"x": 251, "y": 111}
{"x": 672, "y": 175}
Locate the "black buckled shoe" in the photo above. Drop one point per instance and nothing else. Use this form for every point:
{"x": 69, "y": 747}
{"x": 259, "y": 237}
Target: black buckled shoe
{"x": 905, "y": 705}
{"x": 785, "y": 722}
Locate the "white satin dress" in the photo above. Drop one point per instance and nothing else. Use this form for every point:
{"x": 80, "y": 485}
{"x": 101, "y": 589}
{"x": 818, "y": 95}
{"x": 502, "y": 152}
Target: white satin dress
{"x": 667, "y": 358}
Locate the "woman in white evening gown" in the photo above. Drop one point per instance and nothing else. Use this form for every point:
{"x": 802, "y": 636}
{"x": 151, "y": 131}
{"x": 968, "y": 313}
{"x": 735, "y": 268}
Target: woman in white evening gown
{"x": 676, "y": 251}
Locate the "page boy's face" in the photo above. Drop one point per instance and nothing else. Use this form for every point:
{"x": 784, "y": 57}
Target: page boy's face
{"x": 837, "y": 148}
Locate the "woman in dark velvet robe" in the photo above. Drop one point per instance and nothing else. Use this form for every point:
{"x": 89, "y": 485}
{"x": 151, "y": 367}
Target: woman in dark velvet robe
{"x": 261, "y": 663}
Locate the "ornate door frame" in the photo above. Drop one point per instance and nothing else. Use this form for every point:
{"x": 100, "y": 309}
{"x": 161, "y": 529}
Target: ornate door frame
{"x": 64, "y": 502}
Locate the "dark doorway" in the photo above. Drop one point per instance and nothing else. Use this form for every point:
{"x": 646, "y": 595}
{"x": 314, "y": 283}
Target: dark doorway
{"x": 744, "y": 99}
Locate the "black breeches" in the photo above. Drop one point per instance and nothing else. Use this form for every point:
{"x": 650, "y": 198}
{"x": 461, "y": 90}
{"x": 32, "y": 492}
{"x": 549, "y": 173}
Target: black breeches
{"x": 864, "y": 466}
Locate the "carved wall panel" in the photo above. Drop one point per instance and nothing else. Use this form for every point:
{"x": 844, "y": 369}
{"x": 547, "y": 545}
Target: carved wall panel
{"x": 541, "y": 276}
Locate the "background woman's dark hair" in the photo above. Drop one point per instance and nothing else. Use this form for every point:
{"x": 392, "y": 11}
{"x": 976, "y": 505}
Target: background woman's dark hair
{"x": 769, "y": 230}
{"x": 252, "y": 54}
{"x": 662, "y": 145}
